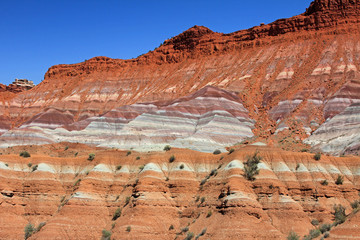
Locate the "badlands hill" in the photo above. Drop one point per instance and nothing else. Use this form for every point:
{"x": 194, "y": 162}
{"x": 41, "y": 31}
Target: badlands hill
{"x": 293, "y": 85}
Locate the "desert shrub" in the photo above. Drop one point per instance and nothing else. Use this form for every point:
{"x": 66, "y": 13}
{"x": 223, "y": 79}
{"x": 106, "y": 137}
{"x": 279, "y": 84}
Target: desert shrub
{"x": 34, "y": 168}
{"x": 172, "y": 159}
{"x": 304, "y": 150}
{"x": 77, "y": 182}
{"x": 339, "y": 214}
{"x": 213, "y": 172}
{"x": 185, "y": 229}
{"x": 202, "y": 199}
{"x": 222, "y": 157}
{"x": 127, "y": 200}
{"x": 141, "y": 167}
{"x": 118, "y": 167}
{"x": 128, "y": 229}
{"x": 128, "y": 153}
{"x": 324, "y": 182}
{"x": 76, "y": 154}
{"x": 117, "y": 214}
{"x": 29, "y": 230}
{"x": 326, "y": 235}
{"x": 217, "y": 152}
{"x": 182, "y": 166}
{"x": 297, "y": 166}
{"x": 231, "y": 151}
{"x": 91, "y": 157}
{"x": 171, "y": 227}
{"x": 209, "y": 214}
{"x": 202, "y": 233}
{"x": 325, "y": 228}
{"x": 203, "y": 181}
{"x": 314, "y": 233}
{"x": 66, "y": 148}
{"x": 315, "y": 222}
{"x": 355, "y": 204}
{"x": 251, "y": 167}
{"x": 317, "y": 156}
{"x": 29, "y": 164}
{"x": 339, "y": 180}
{"x": 24, "y": 154}
{"x": 106, "y": 235}
{"x": 137, "y": 158}
{"x": 40, "y": 226}
{"x": 293, "y": 236}
{"x": 197, "y": 198}
{"x": 167, "y": 148}
{"x": 189, "y": 236}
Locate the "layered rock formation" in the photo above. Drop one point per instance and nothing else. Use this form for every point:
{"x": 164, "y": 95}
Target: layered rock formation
{"x": 198, "y": 192}
{"x": 206, "y": 120}
{"x": 292, "y": 75}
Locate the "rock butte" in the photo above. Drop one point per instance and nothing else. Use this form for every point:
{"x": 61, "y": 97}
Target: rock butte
{"x": 283, "y": 85}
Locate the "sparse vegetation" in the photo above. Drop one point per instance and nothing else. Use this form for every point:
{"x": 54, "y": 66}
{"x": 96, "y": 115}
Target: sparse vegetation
{"x": 293, "y": 236}
{"x": 231, "y": 151}
{"x": 24, "y": 154}
{"x": 127, "y": 200}
{"x": 128, "y": 229}
{"x": 91, "y": 157}
{"x": 182, "y": 166}
{"x": 34, "y": 168}
{"x": 29, "y": 230}
{"x": 172, "y": 159}
{"x": 202, "y": 199}
{"x": 171, "y": 227}
{"x": 209, "y": 214}
{"x": 76, "y": 154}
{"x": 137, "y": 158}
{"x": 202, "y": 233}
{"x": 325, "y": 228}
{"x": 185, "y": 229}
{"x": 324, "y": 182}
{"x": 304, "y": 150}
{"x": 217, "y": 152}
{"x": 167, "y": 148}
{"x": 355, "y": 205}
{"x": 106, "y": 235}
{"x": 213, "y": 172}
{"x": 128, "y": 153}
{"x": 317, "y": 156}
{"x": 315, "y": 222}
{"x": 189, "y": 236}
{"x": 117, "y": 214}
{"x": 118, "y": 167}
{"x": 77, "y": 182}
{"x": 141, "y": 167}
{"x": 326, "y": 235}
{"x": 297, "y": 166}
{"x": 339, "y": 214}
{"x": 339, "y": 180}
{"x": 29, "y": 164}
{"x": 40, "y": 226}
{"x": 66, "y": 148}
{"x": 251, "y": 167}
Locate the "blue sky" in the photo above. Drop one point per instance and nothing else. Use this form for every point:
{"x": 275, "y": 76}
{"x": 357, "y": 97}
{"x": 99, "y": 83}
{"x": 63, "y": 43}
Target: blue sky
{"x": 40, "y": 33}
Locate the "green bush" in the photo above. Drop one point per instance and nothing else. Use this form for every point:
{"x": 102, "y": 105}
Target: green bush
{"x": 314, "y": 233}
{"x": 231, "y": 151}
{"x": 189, "y": 236}
{"x": 117, "y": 214}
{"x": 315, "y": 222}
{"x": 128, "y": 153}
{"x": 29, "y": 230}
{"x": 213, "y": 172}
{"x": 339, "y": 180}
{"x": 326, "y": 235}
{"x": 76, "y": 154}
{"x": 304, "y": 150}
{"x": 171, "y": 227}
{"x": 182, "y": 166}
{"x": 251, "y": 167}
{"x": 127, "y": 200}
{"x": 217, "y": 152}
{"x": 137, "y": 158}
{"x": 339, "y": 214}
{"x": 91, "y": 157}
{"x": 317, "y": 156}
{"x": 185, "y": 229}
{"x": 24, "y": 154}
{"x": 66, "y": 148}
{"x": 128, "y": 229}
{"x": 355, "y": 204}
{"x": 34, "y": 168}
{"x": 172, "y": 159}
{"x": 325, "y": 228}
{"x": 118, "y": 167}
{"x": 324, "y": 183}
{"x": 293, "y": 236}
{"x": 141, "y": 167}
{"x": 202, "y": 200}
{"x": 209, "y": 214}
{"x": 106, "y": 235}
{"x": 167, "y": 148}
{"x": 40, "y": 226}
{"x": 29, "y": 164}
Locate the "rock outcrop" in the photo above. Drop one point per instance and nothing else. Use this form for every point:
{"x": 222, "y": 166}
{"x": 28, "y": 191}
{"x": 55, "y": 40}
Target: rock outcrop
{"x": 76, "y": 198}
